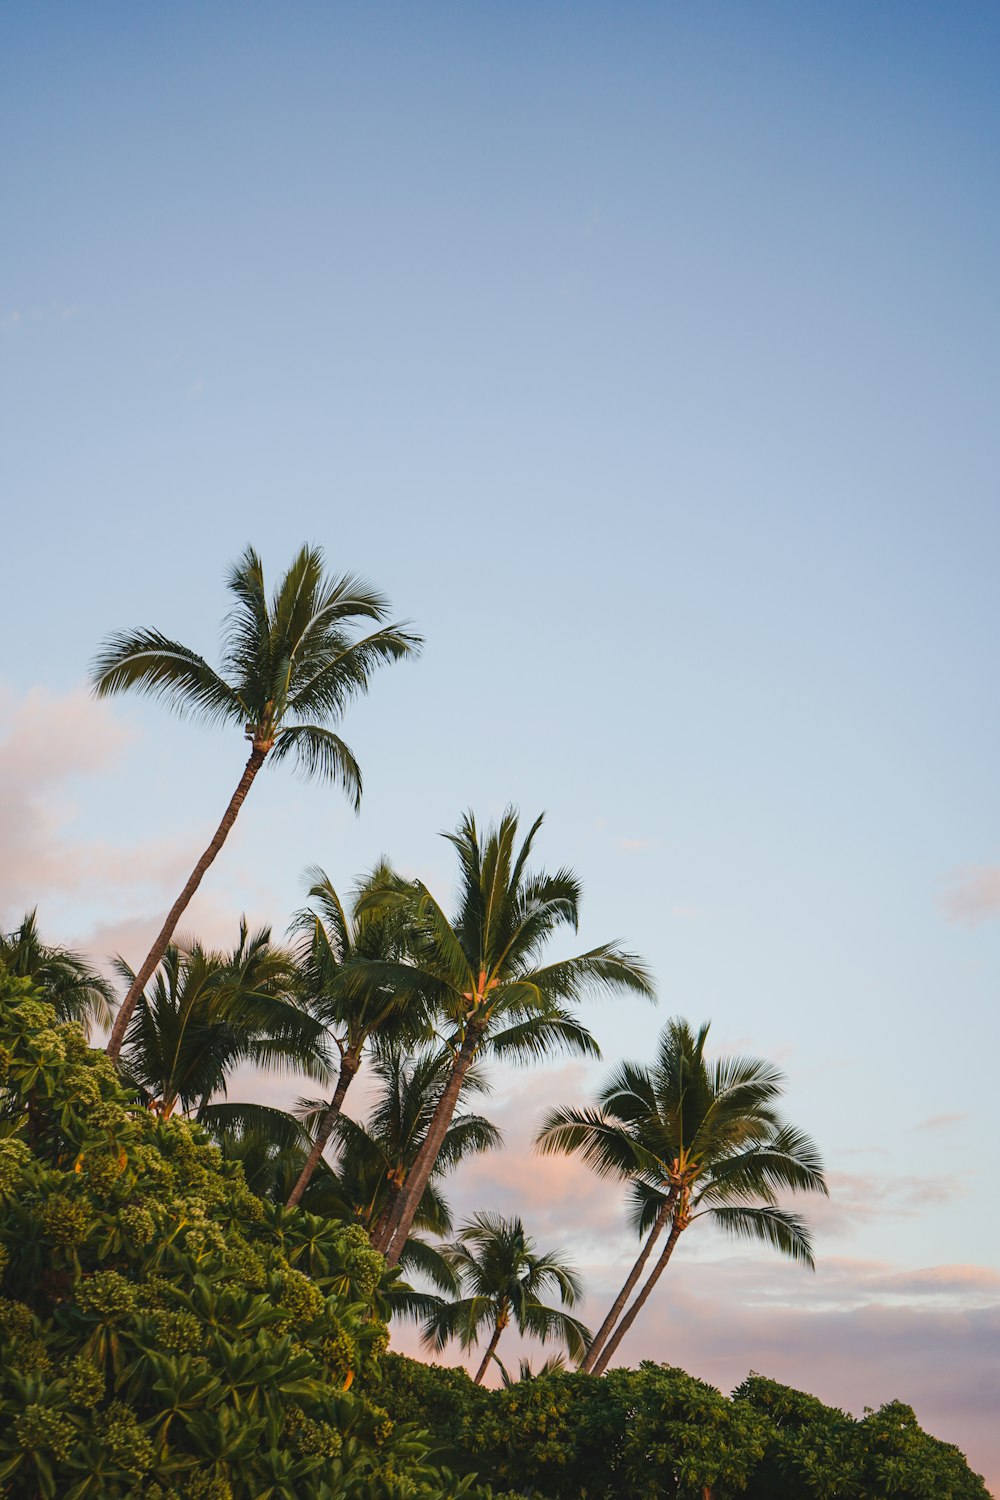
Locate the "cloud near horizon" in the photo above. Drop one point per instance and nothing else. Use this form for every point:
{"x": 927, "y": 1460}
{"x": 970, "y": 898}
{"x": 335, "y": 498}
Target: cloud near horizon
{"x": 52, "y": 744}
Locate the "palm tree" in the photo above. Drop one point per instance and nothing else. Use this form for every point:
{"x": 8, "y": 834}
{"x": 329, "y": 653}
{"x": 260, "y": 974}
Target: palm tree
{"x": 207, "y": 1012}
{"x": 502, "y": 1276}
{"x": 336, "y": 941}
{"x": 78, "y": 992}
{"x": 374, "y": 1158}
{"x": 554, "y": 1365}
{"x": 291, "y": 666}
{"x": 482, "y": 972}
{"x": 696, "y": 1140}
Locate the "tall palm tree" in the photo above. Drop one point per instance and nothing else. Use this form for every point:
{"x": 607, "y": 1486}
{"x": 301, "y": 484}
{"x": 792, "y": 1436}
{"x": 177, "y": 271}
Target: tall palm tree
{"x": 78, "y": 991}
{"x": 334, "y": 942}
{"x": 484, "y": 975}
{"x": 291, "y": 665}
{"x": 503, "y": 1276}
{"x": 205, "y": 1013}
{"x": 696, "y": 1140}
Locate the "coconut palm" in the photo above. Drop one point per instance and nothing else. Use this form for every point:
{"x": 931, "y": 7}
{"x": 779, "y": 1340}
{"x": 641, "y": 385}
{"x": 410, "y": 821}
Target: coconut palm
{"x": 291, "y": 665}
{"x": 373, "y": 1158}
{"x": 207, "y": 1012}
{"x": 78, "y": 992}
{"x": 503, "y": 1277}
{"x": 696, "y": 1140}
{"x": 484, "y": 976}
{"x": 336, "y": 941}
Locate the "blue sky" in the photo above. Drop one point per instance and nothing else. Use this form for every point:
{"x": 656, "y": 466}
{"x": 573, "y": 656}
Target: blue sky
{"x": 647, "y": 356}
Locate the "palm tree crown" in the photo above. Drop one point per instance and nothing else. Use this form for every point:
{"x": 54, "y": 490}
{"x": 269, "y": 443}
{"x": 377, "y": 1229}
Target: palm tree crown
{"x": 342, "y": 951}
{"x": 78, "y": 991}
{"x": 205, "y": 1013}
{"x": 696, "y": 1140}
{"x": 290, "y": 666}
{"x": 503, "y": 1277}
{"x": 484, "y": 974}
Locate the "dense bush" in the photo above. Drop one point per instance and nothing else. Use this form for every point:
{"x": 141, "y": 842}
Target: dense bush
{"x": 164, "y": 1333}
{"x": 657, "y": 1432}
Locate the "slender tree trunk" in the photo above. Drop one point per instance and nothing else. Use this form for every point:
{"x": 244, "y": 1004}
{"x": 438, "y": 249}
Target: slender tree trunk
{"x": 490, "y": 1351}
{"x": 590, "y": 1358}
{"x": 158, "y": 949}
{"x": 391, "y": 1242}
{"x": 640, "y": 1301}
{"x": 349, "y": 1065}
{"x": 380, "y": 1228}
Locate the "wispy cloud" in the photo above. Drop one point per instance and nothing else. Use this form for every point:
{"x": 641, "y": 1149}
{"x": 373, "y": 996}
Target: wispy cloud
{"x": 941, "y": 1122}
{"x": 975, "y": 897}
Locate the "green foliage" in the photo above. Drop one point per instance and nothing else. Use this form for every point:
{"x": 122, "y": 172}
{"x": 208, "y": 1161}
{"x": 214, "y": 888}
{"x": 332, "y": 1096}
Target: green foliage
{"x": 817, "y": 1451}
{"x": 165, "y": 1333}
{"x": 657, "y": 1432}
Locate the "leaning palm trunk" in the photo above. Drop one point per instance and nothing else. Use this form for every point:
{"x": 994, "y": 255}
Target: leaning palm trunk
{"x": 393, "y": 1238}
{"x": 162, "y": 942}
{"x": 640, "y": 1301}
{"x": 590, "y": 1359}
{"x": 490, "y": 1351}
{"x": 348, "y": 1069}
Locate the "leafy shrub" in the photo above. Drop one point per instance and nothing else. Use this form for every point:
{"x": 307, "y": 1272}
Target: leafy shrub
{"x": 166, "y": 1334}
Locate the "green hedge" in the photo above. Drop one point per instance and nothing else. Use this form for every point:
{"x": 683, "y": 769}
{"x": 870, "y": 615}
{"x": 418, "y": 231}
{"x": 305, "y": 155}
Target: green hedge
{"x": 657, "y": 1432}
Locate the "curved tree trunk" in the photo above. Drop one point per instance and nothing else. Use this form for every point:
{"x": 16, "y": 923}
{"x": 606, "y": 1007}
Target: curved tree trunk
{"x": 490, "y": 1351}
{"x": 393, "y": 1239}
{"x": 158, "y": 949}
{"x": 640, "y": 1301}
{"x": 597, "y": 1342}
{"x": 349, "y": 1065}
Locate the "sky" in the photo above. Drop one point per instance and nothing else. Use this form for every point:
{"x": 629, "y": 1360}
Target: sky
{"x": 647, "y": 356}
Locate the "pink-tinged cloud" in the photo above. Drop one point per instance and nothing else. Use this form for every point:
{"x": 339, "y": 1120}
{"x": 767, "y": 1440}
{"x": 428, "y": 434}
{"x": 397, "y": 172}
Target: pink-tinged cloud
{"x": 52, "y": 744}
{"x": 941, "y": 1122}
{"x": 975, "y": 897}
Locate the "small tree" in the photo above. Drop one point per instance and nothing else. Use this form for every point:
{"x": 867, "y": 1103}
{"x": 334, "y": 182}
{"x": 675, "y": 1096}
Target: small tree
{"x": 503, "y": 1277}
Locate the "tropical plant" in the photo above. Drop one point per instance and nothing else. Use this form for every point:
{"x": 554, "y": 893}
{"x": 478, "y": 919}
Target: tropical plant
{"x": 78, "y": 991}
{"x": 205, "y": 1013}
{"x": 374, "y": 1158}
{"x": 483, "y": 974}
{"x": 164, "y": 1332}
{"x": 503, "y": 1277}
{"x": 696, "y": 1140}
{"x": 336, "y": 942}
{"x": 291, "y": 665}
{"x": 527, "y": 1371}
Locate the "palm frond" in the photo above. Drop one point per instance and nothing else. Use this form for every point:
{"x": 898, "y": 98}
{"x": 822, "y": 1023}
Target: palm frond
{"x": 772, "y": 1226}
{"x": 320, "y": 753}
{"x": 147, "y": 662}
